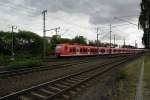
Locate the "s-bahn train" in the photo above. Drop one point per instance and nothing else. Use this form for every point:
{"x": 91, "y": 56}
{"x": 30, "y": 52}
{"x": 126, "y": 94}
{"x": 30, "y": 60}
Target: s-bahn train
{"x": 68, "y": 50}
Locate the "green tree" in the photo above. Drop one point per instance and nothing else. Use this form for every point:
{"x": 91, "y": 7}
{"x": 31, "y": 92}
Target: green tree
{"x": 91, "y": 43}
{"x": 5, "y": 42}
{"x": 95, "y": 43}
{"x": 28, "y": 42}
{"x": 79, "y": 40}
{"x": 65, "y": 40}
{"x": 144, "y": 21}
{"x": 25, "y": 42}
{"x": 54, "y": 41}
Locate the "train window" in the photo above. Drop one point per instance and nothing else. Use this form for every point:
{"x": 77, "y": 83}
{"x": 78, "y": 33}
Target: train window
{"x": 114, "y": 51}
{"x": 66, "y": 47}
{"x": 70, "y": 49}
{"x": 81, "y": 50}
{"x": 74, "y": 50}
{"x": 92, "y": 50}
{"x": 85, "y": 50}
{"x": 96, "y": 50}
{"x": 103, "y": 50}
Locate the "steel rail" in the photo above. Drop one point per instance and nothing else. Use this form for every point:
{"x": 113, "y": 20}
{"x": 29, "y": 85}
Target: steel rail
{"x": 11, "y": 73}
{"x": 15, "y": 95}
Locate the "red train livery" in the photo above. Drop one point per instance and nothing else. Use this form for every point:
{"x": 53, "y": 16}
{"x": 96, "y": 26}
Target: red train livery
{"x": 63, "y": 50}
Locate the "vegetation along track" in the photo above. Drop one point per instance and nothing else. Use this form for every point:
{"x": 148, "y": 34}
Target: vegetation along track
{"x": 40, "y": 68}
{"x": 58, "y": 87}
{"x": 47, "y": 67}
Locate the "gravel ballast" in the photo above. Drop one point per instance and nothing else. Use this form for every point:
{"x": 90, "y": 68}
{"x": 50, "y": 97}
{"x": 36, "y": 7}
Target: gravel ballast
{"x": 16, "y": 83}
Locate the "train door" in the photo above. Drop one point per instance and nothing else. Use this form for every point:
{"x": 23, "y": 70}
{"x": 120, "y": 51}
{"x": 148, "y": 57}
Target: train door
{"x": 77, "y": 51}
{"x": 88, "y": 51}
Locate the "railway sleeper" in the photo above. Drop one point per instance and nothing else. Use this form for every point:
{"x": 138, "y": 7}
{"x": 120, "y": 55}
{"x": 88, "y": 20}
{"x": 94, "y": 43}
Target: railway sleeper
{"x": 54, "y": 88}
{"x": 61, "y": 85}
{"x": 65, "y": 83}
{"x": 73, "y": 92}
{"x": 47, "y": 91}
{"x": 22, "y": 97}
{"x": 38, "y": 95}
{"x": 30, "y": 96}
{"x": 70, "y": 81}
{"x": 75, "y": 79}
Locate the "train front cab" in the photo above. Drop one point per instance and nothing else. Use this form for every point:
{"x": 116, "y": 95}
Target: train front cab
{"x": 58, "y": 50}
{"x": 61, "y": 50}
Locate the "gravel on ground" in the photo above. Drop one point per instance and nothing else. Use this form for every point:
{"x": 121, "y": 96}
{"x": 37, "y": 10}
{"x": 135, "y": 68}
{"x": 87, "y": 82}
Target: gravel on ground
{"x": 16, "y": 83}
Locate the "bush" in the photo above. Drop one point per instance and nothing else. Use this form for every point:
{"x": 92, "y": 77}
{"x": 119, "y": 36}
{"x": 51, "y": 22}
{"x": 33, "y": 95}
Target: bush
{"x": 24, "y": 64}
{"x": 4, "y": 60}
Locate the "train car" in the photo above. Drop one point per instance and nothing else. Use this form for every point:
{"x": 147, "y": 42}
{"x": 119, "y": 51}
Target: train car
{"x": 64, "y": 50}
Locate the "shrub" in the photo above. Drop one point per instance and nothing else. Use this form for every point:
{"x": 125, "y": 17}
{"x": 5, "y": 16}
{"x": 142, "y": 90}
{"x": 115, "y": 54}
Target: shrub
{"x": 24, "y": 64}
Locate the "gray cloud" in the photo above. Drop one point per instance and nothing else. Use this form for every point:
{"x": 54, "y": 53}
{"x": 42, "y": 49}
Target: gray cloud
{"x": 27, "y": 13}
{"x": 99, "y": 11}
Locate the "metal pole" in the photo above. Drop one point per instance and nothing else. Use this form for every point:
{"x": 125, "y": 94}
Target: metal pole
{"x": 110, "y": 35}
{"x": 12, "y": 42}
{"x": 44, "y": 34}
{"x": 56, "y": 29}
{"x": 135, "y": 44}
{"x": 124, "y": 42}
{"x": 114, "y": 40}
{"x": 12, "y": 45}
{"x": 97, "y": 37}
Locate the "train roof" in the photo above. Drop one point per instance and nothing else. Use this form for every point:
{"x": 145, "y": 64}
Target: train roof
{"x": 73, "y": 45}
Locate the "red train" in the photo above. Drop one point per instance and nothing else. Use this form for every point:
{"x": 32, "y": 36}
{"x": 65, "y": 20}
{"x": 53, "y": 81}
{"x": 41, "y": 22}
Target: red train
{"x": 63, "y": 50}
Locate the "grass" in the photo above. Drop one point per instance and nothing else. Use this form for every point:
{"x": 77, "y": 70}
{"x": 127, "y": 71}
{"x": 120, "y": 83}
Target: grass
{"x": 21, "y": 61}
{"x": 125, "y": 81}
{"x": 4, "y": 59}
{"x": 28, "y": 63}
{"x": 146, "y": 94}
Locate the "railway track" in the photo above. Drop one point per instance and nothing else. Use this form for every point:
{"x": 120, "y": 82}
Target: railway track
{"x": 11, "y": 73}
{"x": 40, "y": 68}
{"x": 63, "y": 86}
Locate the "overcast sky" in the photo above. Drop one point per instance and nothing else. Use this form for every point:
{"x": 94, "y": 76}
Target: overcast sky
{"x": 75, "y": 17}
